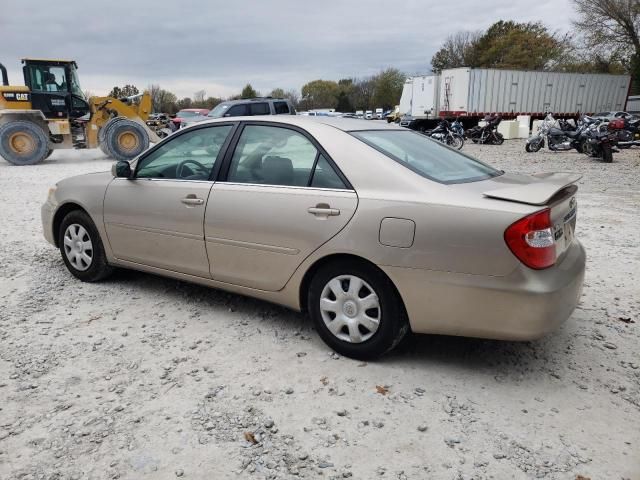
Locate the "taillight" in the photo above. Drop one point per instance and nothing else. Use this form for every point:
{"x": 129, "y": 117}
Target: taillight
{"x": 532, "y": 241}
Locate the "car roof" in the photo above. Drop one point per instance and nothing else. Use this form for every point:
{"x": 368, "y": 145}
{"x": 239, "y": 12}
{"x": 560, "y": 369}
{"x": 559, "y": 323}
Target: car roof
{"x": 344, "y": 124}
{"x": 255, "y": 99}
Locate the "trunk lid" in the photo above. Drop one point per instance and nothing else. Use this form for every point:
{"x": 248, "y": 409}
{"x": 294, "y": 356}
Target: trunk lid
{"x": 536, "y": 189}
{"x": 556, "y": 191}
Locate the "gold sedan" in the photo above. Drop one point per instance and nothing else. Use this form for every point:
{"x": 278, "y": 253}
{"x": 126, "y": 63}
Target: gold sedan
{"x": 374, "y": 230}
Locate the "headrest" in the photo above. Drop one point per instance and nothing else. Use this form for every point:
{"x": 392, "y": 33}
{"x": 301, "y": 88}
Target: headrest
{"x": 277, "y": 171}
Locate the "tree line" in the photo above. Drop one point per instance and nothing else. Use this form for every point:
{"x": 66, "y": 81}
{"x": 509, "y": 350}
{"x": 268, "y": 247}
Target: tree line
{"x": 606, "y": 39}
{"x": 345, "y": 95}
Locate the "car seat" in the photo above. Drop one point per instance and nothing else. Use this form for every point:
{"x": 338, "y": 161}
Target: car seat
{"x": 277, "y": 171}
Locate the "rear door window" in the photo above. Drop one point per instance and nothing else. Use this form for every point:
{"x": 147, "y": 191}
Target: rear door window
{"x": 259, "y": 109}
{"x": 272, "y": 156}
{"x": 237, "y": 111}
{"x": 324, "y": 176}
{"x": 281, "y": 108}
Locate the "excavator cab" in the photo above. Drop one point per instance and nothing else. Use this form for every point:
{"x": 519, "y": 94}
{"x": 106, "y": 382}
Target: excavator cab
{"x": 55, "y": 89}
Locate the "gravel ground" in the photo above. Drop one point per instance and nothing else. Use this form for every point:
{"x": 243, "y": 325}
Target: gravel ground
{"x": 142, "y": 376}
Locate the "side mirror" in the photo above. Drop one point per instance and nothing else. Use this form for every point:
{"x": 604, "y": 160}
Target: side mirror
{"x": 121, "y": 169}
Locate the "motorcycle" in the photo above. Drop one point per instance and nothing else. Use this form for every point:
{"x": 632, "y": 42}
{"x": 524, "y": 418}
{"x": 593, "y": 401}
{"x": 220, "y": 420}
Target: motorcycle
{"x": 444, "y": 133}
{"x": 598, "y": 141}
{"x": 628, "y": 131}
{"x": 487, "y": 134}
{"x": 558, "y": 134}
{"x": 457, "y": 128}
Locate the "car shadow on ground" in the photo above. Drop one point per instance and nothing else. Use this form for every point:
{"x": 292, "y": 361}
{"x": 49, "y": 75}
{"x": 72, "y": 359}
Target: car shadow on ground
{"x": 501, "y": 357}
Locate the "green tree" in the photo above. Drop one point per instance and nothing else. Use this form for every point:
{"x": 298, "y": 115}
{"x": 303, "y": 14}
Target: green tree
{"x": 161, "y": 99}
{"x": 167, "y": 102}
{"x": 343, "y": 103}
{"x": 277, "y": 93}
{"x": 320, "y": 94}
{"x": 612, "y": 30}
{"x": 126, "y": 91}
{"x": 526, "y": 46}
{"x": 248, "y": 92}
{"x": 505, "y": 44}
{"x": 185, "y": 102}
{"x": 211, "y": 102}
{"x": 387, "y": 89}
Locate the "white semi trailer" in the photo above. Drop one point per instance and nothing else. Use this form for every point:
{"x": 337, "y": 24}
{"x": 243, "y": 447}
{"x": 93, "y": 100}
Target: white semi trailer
{"x": 472, "y": 93}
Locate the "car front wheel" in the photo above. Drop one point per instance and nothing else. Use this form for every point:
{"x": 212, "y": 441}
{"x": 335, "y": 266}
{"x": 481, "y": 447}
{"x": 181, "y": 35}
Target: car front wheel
{"x": 81, "y": 248}
{"x": 356, "y": 309}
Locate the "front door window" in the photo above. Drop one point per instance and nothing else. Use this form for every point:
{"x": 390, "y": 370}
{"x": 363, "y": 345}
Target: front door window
{"x": 189, "y": 156}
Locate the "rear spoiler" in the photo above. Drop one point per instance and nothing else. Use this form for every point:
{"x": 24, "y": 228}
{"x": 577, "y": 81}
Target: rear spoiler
{"x": 542, "y": 187}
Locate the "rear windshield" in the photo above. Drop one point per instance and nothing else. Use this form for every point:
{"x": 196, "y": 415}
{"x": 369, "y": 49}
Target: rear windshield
{"x": 427, "y": 157}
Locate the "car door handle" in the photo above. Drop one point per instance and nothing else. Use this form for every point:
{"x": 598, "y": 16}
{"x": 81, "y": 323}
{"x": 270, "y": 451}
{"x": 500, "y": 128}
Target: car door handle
{"x": 192, "y": 200}
{"x": 323, "y": 210}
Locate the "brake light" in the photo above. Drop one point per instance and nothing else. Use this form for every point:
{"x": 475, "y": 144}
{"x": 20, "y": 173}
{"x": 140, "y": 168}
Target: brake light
{"x": 532, "y": 241}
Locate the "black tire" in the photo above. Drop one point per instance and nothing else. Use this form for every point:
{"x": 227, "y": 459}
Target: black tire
{"x": 607, "y": 153}
{"x": 393, "y": 323}
{"x": 102, "y": 133}
{"x": 498, "y": 139}
{"x": 23, "y": 142}
{"x": 126, "y": 140}
{"x": 98, "y": 269}
{"x": 588, "y": 149}
{"x": 533, "y": 146}
{"x": 455, "y": 141}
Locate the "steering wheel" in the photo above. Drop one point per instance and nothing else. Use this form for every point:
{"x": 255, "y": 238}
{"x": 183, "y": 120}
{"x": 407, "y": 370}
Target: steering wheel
{"x": 188, "y": 161}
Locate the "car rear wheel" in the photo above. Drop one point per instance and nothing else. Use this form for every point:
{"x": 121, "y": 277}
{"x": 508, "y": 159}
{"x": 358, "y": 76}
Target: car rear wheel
{"x": 81, "y": 248}
{"x": 356, "y": 309}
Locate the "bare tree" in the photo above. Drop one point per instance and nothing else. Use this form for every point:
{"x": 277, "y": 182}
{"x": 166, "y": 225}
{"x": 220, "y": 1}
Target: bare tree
{"x": 612, "y": 29}
{"x": 155, "y": 92}
{"x": 293, "y": 96}
{"x": 457, "y": 51}
{"x": 198, "y": 97}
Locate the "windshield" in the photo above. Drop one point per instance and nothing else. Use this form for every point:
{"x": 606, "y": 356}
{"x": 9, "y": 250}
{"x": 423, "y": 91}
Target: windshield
{"x": 427, "y": 157}
{"x": 219, "y": 110}
{"x": 187, "y": 113}
{"x": 75, "y": 83}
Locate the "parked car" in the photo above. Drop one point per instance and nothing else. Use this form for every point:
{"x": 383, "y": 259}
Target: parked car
{"x": 188, "y": 113}
{"x": 372, "y": 229}
{"x": 247, "y": 107}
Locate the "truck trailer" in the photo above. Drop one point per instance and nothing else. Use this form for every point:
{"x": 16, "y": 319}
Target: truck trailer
{"x": 472, "y": 93}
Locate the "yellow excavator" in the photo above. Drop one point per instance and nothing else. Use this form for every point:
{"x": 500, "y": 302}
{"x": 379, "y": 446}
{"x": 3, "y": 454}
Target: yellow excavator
{"x": 51, "y": 112}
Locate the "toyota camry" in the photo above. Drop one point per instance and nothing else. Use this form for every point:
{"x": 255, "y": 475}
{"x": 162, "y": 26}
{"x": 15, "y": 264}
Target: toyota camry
{"x": 372, "y": 229}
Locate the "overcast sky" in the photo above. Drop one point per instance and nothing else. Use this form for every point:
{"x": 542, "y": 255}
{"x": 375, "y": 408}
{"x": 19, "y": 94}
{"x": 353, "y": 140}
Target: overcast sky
{"x": 219, "y": 46}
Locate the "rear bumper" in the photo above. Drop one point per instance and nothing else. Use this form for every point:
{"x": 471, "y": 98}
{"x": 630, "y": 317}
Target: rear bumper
{"x": 524, "y": 305}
